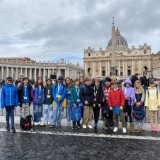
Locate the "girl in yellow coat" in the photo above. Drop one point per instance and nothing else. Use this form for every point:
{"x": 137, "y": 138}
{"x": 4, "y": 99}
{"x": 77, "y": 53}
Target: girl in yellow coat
{"x": 152, "y": 103}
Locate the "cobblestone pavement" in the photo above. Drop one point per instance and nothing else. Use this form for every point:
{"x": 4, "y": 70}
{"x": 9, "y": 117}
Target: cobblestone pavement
{"x": 63, "y": 143}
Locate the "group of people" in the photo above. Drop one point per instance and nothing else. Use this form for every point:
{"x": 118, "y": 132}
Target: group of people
{"x": 83, "y": 101}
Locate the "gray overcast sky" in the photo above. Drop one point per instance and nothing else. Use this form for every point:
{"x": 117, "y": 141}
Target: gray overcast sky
{"x": 55, "y": 29}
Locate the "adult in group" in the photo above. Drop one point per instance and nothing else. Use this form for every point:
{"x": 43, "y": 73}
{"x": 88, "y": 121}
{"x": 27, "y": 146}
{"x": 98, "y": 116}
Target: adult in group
{"x": 144, "y": 81}
{"x": 134, "y": 78}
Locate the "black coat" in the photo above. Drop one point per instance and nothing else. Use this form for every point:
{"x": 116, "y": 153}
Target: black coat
{"x": 48, "y": 100}
{"x": 144, "y": 81}
{"x": 98, "y": 97}
{"x": 21, "y": 94}
{"x": 86, "y": 94}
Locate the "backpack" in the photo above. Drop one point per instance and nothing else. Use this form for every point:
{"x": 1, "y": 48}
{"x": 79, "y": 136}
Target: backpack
{"x": 26, "y": 123}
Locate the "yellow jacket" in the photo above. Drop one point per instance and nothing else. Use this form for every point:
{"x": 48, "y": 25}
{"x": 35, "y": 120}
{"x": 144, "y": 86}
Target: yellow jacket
{"x": 152, "y": 100}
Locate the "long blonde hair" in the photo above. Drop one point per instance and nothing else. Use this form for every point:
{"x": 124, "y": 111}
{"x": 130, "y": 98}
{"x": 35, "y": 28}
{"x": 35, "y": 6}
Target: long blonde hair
{"x": 140, "y": 89}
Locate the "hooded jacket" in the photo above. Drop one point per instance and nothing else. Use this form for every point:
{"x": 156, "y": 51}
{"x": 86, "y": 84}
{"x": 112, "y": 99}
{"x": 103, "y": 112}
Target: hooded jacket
{"x": 9, "y": 96}
{"x": 129, "y": 92}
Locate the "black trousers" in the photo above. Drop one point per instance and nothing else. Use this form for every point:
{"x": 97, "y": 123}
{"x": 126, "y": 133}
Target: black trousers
{"x": 128, "y": 113}
{"x": 96, "y": 111}
{"x": 78, "y": 123}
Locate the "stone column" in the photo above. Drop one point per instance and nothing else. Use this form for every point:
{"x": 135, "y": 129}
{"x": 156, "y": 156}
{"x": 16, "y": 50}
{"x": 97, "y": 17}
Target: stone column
{"x": 25, "y": 72}
{"x": 7, "y": 71}
{"x": 21, "y": 71}
{"x": 149, "y": 65}
{"x": 2, "y": 73}
{"x": 39, "y": 73}
{"x": 11, "y": 71}
{"x": 30, "y": 73}
{"x": 100, "y": 69}
{"x": 93, "y": 70}
{"x": 16, "y": 73}
{"x": 44, "y": 75}
{"x": 140, "y": 69}
{"x": 119, "y": 68}
{"x": 132, "y": 68}
{"x": 109, "y": 68}
{"x": 106, "y": 68}
{"x": 47, "y": 73}
{"x": 123, "y": 68}
{"x": 35, "y": 74}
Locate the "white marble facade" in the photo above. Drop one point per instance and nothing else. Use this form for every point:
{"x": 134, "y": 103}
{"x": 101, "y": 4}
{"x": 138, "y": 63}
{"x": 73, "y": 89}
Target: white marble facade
{"x": 97, "y": 63}
{"x": 25, "y": 67}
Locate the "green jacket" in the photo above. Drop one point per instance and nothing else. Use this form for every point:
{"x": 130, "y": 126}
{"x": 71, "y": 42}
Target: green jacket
{"x": 48, "y": 89}
{"x": 74, "y": 96}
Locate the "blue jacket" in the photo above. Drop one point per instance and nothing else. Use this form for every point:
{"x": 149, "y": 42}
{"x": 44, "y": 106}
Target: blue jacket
{"x": 9, "y": 96}
{"x": 68, "y": 92}
{"x": 62, "y": 92}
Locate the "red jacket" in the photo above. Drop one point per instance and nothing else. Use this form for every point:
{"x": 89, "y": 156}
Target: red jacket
{"x": 116, "y": 98}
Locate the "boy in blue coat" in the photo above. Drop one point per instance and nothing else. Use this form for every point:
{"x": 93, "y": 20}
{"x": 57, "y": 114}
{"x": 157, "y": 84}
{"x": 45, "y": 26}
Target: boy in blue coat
{"x": 9, "y": 100}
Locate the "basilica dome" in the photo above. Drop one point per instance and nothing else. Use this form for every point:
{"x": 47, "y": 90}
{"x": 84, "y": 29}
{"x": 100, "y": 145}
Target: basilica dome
{"x": 120, "y": 41}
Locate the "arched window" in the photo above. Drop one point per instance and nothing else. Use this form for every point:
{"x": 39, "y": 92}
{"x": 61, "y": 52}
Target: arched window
{"x": 145, "y": 68}
{"x": 103, "y": 72}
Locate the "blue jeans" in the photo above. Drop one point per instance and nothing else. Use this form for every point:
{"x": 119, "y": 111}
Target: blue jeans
{"x": 57, "y": 113}
{"x": 10, "y": 113}
{"x": 47, "y": 113}
{"x": 68, "y": 111}
{"x": 37, "y": 109}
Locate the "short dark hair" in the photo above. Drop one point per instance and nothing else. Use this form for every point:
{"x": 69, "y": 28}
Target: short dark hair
{"x": 107, "y": 79}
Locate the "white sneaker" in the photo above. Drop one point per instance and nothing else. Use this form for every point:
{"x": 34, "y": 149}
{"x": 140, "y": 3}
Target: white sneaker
{"x": 115, "y": 129}
{"x": 43, "y": 124}
{"x": 90, "y": 127}
{"x": 39, "y": 123}
{"x": 124, "y": 130}
{"x": 35, "y": 123}
{"x": 84, "y": 126}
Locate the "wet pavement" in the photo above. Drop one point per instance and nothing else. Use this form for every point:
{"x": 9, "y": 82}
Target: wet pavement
{"x": 62, "y": 143}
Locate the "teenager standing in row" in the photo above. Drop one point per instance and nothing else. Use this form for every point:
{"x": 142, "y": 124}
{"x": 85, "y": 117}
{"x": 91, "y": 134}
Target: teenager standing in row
{"x": 87, "y": 97}
{"x": 97, "y": 103}
{"x": 9, "y": 100}
{"x": 37, "y": 94}
{"x": 48, "y": 100}
{"x": 116, "y": 101}
{"x": 76, "y": 105}
{"x": 59, "y": 94}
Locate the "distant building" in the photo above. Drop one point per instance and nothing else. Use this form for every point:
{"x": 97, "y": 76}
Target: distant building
{"x": 19, "y": 67}
{"x": 128, "y": 61}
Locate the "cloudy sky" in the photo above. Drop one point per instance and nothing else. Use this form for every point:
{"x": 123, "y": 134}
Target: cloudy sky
{"x": 55, "y": 29}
